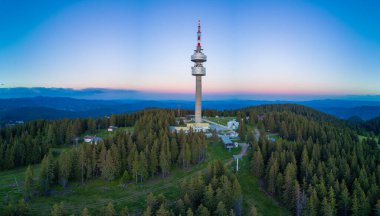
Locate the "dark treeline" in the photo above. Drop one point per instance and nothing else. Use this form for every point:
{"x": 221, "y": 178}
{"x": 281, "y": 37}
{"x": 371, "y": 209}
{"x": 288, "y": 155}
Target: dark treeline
{"x": 150, "y": 150}
{"x": 370, "y": 128}
{"x": 316, "y": 168}
{"x": 28, "y": 143}
{"x": 373, "y": 125}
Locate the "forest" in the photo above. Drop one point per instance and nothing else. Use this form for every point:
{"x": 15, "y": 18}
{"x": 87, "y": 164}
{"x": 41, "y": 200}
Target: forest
{"x": 317, "y": 165}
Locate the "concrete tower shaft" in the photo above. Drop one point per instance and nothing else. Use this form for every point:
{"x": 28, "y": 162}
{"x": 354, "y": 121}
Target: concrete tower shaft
{"x": 198, "y": 99}
{"x": 198, "y": 71}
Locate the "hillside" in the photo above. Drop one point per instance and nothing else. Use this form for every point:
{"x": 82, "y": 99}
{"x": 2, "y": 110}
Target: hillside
{"x": 24, "y": 109}
{"x": 300, "y": 161}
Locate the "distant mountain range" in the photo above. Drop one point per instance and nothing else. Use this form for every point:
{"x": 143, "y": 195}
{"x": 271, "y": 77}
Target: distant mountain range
{"x": 24, "y": 109}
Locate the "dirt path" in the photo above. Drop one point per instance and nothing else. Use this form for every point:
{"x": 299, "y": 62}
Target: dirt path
{"x": 244, "y": 147}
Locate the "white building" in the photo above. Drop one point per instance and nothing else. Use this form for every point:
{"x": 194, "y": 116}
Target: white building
{"x": 92, "y": 139}
{"x": 196, "y": 127}
{"x": 233, "y": 124}
{"x": 111, "y": 128}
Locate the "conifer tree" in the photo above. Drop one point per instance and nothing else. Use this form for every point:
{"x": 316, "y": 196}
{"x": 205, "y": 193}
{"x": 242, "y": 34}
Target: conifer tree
{"x": 189, "y": 212}
{"x": 180, "y": 207}
{"x": 109, "y": 210}
{"x": 109, "y": 170}
{"x": 209, "y": 199}
{"x": 344, "y": 200}
{"x": 153, "y": 161}
{"x": 377, "y": 207}
{"x": 164, "y": 163}
{"x": 85, "y": 212}
{"x": 143, "y": 167}
{"x": 28, "y": 187}
{"x": 202, "y": 211}
{"x": 124, "y": 212}
{"x": 58, "y": 210}
{"x": 221, "y": 209}
{"x": 64, "y": 168}
{"x": 162, "y": 211}
{"x": 148, "y": 211}
{"x": 135, "y": 166}
{"x": 125, "y": 178}
{"x": 46, "y": 173}
{"x": 253, "y": 211}
{"x": 258, "y": 163}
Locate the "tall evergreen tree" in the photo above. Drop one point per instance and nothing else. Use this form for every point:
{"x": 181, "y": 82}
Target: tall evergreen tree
{"x": 28, "y": 187}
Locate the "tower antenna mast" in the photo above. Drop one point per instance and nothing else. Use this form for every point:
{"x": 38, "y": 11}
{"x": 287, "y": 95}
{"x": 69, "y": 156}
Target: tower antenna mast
{"x": 198, "y": 71}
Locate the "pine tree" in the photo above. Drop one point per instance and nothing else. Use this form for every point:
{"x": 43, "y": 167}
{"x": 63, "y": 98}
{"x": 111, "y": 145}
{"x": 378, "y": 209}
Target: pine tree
{"x": 164, "y": 163}
{"x": 377, "y": 208}
{"x": 290, "y": 176}
{"x": 152, "y": 202}
{"x": 58, "y": 210}
{"x": 162, "y": 211}
{"x": 28, "y": 187}
{"x": 258, "y": 164}
{"x": 174, "y": 150}
{"x": 332, "y": 201}
{"x": 326, "y": 208}
{"x": 187, "y": 201}
{"x": 344, "y": 200}
{"x": 109, "y": 168}
{"x": 64, "y": 168}
{"x": 209, "y": 199}
{"x": 153, "y": 161}
{"x": 202, "y": 211}
{"x": 312, "y": 203}
{"x": 253, "y": 211}
{"x": 148, "y": 211}
{"x": 232, "y": 213}
{"x": 143, "y": 167}
{"x": 125, "y": 178}
{"x": 135, "y": 166}
{"x": 85, "y": 212}
{"x": 221, "y": 209}
{"x": 237, "y": 197}
{"x": 109, "y": 210}
{"x": 180, "y": 207}
{"x": 46, "y": 173}
{"x": 189, "y": 212}
{"x": 355, "y": 209}
{"x": 124, "y": 212}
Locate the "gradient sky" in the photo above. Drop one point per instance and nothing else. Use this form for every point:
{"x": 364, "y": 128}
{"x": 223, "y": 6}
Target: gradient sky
{"x": 253, "y": 47}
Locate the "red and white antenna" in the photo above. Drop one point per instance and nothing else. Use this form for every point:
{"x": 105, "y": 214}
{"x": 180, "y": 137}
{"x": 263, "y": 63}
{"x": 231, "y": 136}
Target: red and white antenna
{"x": 199, "y": 33}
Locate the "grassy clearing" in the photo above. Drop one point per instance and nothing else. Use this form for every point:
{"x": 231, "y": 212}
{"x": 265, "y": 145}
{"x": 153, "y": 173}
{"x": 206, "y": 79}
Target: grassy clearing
{"x": 95, "y": 194}
{"x": 361, "y": 138}
{"x": 105, "y": 133}
{"x": 254, "y": 195}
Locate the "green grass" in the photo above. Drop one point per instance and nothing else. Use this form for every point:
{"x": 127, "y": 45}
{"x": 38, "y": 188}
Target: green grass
{"x": 254, "y": 195}
{"x": 361, "y": 138}
{"x": 274, "y": 136}
{"x": 105, "y": 133}
{"x": 221, "y": 120}
{"x": 95, "y": 194}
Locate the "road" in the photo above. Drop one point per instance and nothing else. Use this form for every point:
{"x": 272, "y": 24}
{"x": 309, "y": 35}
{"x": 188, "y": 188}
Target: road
{"x": 257, "y": 134}
{"x": 244, "y": 147}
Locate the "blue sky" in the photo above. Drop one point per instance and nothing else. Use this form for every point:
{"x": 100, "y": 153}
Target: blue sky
{"x": 253, "y": 47}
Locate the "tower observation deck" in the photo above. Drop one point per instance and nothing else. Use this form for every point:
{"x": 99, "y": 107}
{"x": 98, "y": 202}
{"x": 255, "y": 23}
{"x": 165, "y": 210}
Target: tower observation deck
{"x": 198, "y": 71}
